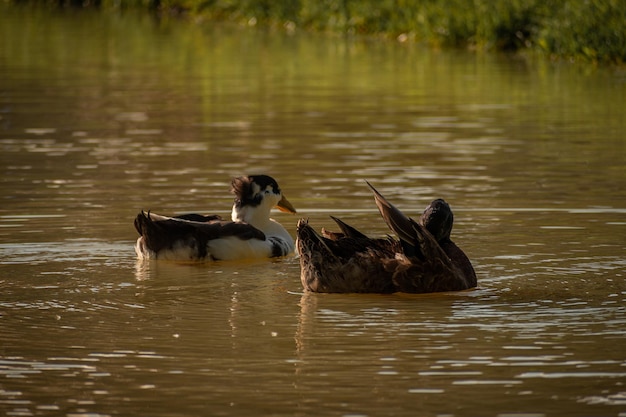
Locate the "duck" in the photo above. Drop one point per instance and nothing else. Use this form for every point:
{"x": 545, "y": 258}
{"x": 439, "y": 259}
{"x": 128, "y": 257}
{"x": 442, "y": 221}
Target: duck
{"x": 423, "y": 258}
{"x": 250, "y": 234}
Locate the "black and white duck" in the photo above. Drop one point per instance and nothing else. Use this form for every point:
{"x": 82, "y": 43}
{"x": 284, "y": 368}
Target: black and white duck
{"x": 251, "y": 234}
{"x": 423, "y": 260}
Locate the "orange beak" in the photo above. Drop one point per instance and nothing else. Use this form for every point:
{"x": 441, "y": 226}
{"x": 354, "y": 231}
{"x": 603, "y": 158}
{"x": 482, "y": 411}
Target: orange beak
{"x": 285, "y": 206}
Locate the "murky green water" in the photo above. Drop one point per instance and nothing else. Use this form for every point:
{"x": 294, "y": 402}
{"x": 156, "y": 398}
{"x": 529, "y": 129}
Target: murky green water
{"x": 101, "y": 116}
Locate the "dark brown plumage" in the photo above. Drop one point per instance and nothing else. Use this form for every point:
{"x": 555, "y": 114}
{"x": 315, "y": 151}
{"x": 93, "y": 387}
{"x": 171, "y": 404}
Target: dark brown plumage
{"x": 423, "y": 260}
{"x": 193, "y": 231}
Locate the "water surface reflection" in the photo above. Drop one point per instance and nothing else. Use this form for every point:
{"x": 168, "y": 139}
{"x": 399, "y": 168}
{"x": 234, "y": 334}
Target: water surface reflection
{"x": 104, "y": 115}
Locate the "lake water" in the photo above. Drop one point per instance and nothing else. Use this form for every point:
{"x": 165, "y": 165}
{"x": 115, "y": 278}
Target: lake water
{"x": 104, "y": 115}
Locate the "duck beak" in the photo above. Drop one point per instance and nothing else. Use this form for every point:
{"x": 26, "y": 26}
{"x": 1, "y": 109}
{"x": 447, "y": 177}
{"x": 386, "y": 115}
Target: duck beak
{"x": 285, "y": 206}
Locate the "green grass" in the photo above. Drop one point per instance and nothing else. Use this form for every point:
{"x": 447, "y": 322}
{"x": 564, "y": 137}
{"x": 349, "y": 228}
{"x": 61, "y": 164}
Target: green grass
{"x": 588, "y": 30}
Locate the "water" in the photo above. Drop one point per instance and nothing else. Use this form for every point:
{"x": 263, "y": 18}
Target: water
{"x": 104, "y": 115}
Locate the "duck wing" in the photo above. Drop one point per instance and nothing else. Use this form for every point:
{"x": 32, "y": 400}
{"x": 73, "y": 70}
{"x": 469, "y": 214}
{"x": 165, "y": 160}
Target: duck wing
{"x": 416, "y": 240}
{"x": 427, "y": 265}
{"x": 397, "y": 221}
{"x": 347, "y": 230}
{"x": 161, "y": 232}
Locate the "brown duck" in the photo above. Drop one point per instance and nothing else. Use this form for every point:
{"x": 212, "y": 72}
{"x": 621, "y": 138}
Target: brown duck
{"x": 423, "y": 260}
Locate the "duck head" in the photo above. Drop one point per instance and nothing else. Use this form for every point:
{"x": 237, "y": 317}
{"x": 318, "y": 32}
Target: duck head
{"x": 438, "y": 219}
{"x": 255, "y": 196}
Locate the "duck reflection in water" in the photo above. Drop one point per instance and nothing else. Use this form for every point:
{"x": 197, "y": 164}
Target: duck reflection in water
{"x": 423, "y": 260}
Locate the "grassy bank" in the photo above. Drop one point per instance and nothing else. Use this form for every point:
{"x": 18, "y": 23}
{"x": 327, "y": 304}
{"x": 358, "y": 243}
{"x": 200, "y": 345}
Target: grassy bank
{"x": 589, "y": 30}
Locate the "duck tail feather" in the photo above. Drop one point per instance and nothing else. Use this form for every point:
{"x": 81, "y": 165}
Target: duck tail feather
{"x": 160, "y": 232}
{"x": 306, "y": 235}
{"x": 348, "y": 230}
{"x": 140, "y": 222}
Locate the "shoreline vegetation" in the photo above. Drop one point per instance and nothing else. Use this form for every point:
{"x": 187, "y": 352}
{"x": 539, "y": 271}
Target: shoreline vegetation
{"x": 574, "y": 30}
